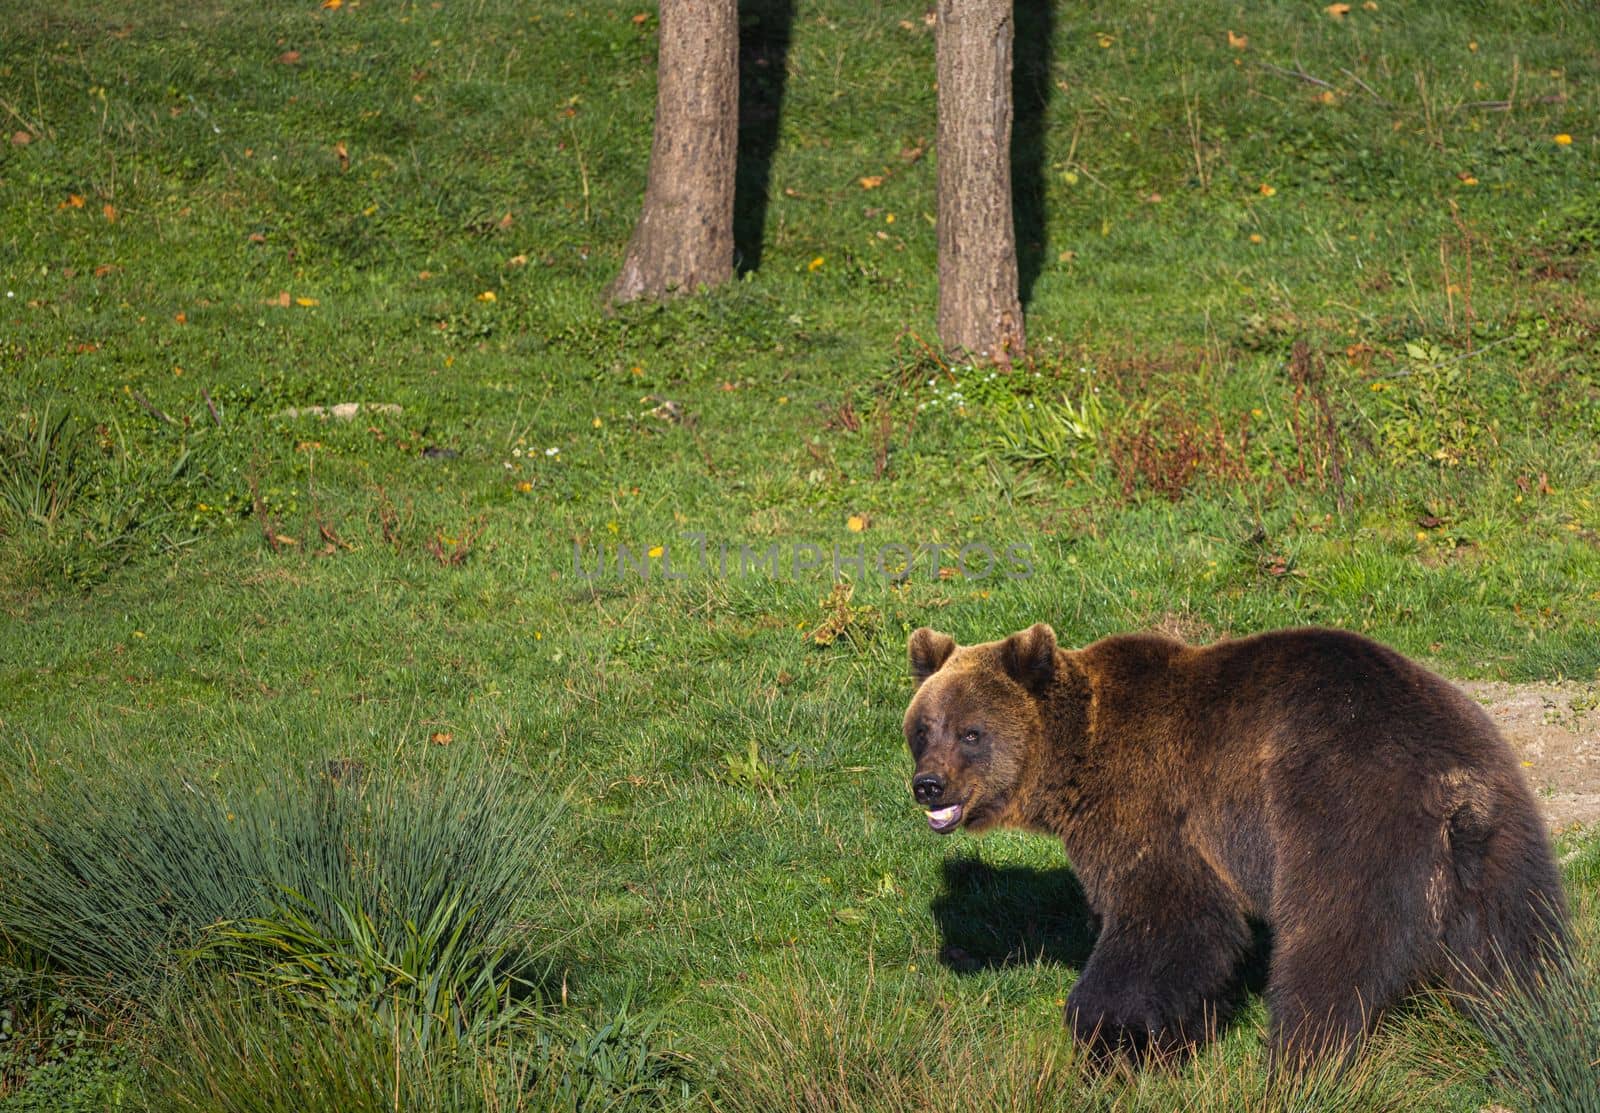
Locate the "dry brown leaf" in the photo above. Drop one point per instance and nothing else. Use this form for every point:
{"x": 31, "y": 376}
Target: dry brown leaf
{"x": 289, "y": 58}
{"x": 441, "y": 738}
{"x": 1238, "y": 42}
{"x": 281, "y": 301}
{"x": 1337, "y": 11}
{"x": 20, "y": 139}
{"x": 257, "y": 237}
{"x": 872, "y": 181}
{"x": 109, "y": 211}
{"x": 340, "y": 150}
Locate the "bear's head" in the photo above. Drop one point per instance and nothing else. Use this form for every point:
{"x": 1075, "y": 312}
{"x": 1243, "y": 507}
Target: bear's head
{"x": 975, "y": 725}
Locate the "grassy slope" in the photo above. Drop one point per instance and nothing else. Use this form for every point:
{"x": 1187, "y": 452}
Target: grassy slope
{"x": 690, "y": 865}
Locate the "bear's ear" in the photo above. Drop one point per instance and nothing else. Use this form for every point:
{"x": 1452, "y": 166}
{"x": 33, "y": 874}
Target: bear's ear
{"x": 1030, "y": 657}
{"x": 929, "y": 650}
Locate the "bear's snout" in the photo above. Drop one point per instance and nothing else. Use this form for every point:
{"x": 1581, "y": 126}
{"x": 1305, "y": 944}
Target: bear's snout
{"x": 928, "y": 788}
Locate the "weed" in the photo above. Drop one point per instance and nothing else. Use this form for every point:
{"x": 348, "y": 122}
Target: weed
{"x": 858, "y": 624}
{"x": 1052, "y": 432}
{"x": 1165, "y": 452}
{"x": 751, "y": 770}
{"x": 442, "y": 977}
{"x": 41, "y": 470}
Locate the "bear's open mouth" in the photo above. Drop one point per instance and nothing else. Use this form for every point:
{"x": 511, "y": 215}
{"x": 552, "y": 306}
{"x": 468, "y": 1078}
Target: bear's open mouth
{"x": 945, "y": 820}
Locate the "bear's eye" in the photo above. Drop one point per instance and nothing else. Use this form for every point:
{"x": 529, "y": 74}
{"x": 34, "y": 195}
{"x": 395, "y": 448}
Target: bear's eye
{"x": 969, "y": 737}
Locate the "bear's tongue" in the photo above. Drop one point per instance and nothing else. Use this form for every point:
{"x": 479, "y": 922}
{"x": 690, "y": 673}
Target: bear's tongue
{"x": 943, "y": 819}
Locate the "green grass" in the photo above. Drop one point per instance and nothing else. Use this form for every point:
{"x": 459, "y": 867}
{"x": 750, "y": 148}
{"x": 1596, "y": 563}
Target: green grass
{"x": 193, "y": 580}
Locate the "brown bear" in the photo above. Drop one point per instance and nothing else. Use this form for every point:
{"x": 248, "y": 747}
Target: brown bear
{"x": 1361, "y": 808}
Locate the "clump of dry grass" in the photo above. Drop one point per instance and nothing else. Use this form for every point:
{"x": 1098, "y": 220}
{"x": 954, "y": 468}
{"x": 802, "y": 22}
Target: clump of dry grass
{"x": 801, "y": 1042}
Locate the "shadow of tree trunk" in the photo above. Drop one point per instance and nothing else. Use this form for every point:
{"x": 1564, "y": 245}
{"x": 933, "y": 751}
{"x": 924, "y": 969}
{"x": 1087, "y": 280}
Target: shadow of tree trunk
{"x": 764, "y": 33}
{"x": 1030, "y": 95}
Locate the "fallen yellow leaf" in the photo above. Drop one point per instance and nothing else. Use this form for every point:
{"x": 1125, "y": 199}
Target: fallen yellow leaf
{"x": 856, "y": 523}
{"x": 333, "y": 5}
{"x": 110, "y": 211}
{"x": 814, "y": 264}
{"x": 1563, "y": 140}
{"x": 656, "y": 551}
{"x": 1238, "y": 42}
{"x": 306, "y": 303}
{"x": 441, "y": 738}
{"x": 872, "y": 181}
{"x": 1266, "y": 190}
{"x": 1337, "y": 11}
{"x": 487, "y": 295}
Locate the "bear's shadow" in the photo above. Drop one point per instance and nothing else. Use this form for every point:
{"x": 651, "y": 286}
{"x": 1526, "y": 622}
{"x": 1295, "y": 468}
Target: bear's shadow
{"x": 995, "y": 916}
{"x": 991, "y": 917}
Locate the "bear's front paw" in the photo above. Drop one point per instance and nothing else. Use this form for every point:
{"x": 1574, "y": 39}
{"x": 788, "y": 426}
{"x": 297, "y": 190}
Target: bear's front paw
{"x": 1125, "y": 1023}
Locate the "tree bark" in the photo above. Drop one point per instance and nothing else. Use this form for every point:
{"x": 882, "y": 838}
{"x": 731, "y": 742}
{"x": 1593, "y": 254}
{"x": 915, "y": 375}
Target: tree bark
{"x": 684, "y": 238}
{"x": 980, "y": 316}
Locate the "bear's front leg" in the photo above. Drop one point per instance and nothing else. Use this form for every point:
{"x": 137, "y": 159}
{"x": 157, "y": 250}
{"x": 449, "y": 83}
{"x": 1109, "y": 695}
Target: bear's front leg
{"x": 1154, "y": 986}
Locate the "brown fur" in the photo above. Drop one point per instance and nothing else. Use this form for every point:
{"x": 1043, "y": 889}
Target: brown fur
{"x": 1362, "y": 808}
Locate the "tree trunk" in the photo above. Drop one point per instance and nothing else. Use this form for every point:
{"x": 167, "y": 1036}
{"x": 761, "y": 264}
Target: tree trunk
{"x": 684, "y": 238}
{"x": 979, "y": 314}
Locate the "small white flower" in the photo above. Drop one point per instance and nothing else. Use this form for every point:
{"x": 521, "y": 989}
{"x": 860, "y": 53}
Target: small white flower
{"x": 516, "y": 452}
{"x": 552, "y": 451}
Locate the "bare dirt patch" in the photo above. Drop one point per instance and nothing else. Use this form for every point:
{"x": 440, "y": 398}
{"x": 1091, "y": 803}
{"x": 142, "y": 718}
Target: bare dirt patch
{"x": 1555, "y": 729}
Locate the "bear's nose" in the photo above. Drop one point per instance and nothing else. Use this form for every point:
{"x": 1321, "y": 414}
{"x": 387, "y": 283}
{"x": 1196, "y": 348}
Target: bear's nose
{"x": 927, "y": 788}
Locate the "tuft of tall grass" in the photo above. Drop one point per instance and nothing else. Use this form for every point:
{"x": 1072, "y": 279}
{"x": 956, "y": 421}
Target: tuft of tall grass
{"x": 125, "y": 876}
{"x": 1547, "y": 1031}
{"x": 230, "y": 1051}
